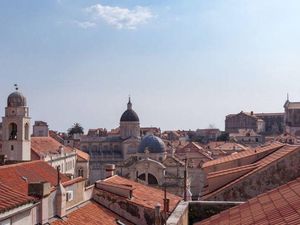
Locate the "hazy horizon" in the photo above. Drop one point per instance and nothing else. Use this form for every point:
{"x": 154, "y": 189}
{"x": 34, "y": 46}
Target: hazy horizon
{"x": 185, "y": 64}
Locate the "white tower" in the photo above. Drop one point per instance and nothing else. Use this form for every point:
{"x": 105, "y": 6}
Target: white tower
{"x": 15, "y": 125}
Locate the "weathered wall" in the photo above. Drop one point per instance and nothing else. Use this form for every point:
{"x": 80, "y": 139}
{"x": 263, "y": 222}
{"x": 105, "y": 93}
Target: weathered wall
{"x": 180, "y": 216}
{"x": 132, "y": 212}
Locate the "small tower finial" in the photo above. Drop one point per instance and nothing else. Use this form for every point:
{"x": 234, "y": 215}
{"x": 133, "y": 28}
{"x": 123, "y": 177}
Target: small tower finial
{"x": 129, "y": 104}
{"x": 287, "y": 97}
{"x": 16, "y": 87}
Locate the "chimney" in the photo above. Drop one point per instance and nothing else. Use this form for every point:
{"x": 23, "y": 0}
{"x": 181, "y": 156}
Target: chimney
{"x": 252, "y": 113}
{"x": 110, "y": 170}
{"x": 157, "y": 214}
{"x": 42, "y": 191}
{"x": 60, "y": 197}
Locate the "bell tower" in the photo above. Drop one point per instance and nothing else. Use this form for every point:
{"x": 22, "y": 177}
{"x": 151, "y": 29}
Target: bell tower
{"x": 16, "y": 126}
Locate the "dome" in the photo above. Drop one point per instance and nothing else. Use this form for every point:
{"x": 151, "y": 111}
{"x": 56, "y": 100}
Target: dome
{"x": 153, "y": 144}
{"x": 129, "y": 115}
{"x": 16, "y": 99}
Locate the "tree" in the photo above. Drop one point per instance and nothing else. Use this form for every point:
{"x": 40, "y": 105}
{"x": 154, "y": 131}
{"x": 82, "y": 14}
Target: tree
{"x": 75, "y": 129}
{"x": 223, "y": 137}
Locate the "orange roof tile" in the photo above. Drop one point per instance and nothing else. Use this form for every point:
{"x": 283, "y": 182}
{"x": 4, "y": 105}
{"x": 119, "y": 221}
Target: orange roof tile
{"x": 231, "y": 146}
{"x": 17, "y": 176}
{"x": 262, "y": 163}
{"x": 192, "y": 147}
{"x": 274, "y": 146}
{"x": 144, "y": 195}
{"x": 278, "y": 206}
{"x": 91, "y": 214}
{"x": 10, "y": 198}
{"x": 47, "y": 145}
{"x": 82, "y": 156}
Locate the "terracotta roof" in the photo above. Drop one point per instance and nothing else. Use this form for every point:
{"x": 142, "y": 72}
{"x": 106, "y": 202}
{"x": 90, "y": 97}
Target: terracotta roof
{"x": 91, "y": 214}
{"x": 47, "y": 145}
{"x": 231, "y": 146}
{"x": 144, "y": 195}
{"x": 10, "y": 198}
{"x": 214, "y": 144}
{"x": 251, "y": 114}
{"x": 268, "y": 114}
{"x": 17, "y": 176}
{"x": 275, "y": 156}
{"x": 278, "y": 206}
{"x": 192, "y": 147}
{"x": 82, "y": 156}
{"x": 243, "y": 154}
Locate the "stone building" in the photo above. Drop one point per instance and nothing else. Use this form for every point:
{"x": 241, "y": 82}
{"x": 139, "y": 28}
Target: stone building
{"x": 292, "y": 117}
{"x": 40, "y": 129}
{"x": 243, "y": 120}
{"x": 105, "y": 148}
{"x": 274, "y": 122}
{"x": 15, "y": 128}
{"x": 265, "y": 123}
{"x": 152, "y": 165}
{"x": 247, "y": 137}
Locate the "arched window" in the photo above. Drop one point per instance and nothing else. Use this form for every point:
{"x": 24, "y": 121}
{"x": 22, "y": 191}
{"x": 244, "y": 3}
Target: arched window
{"x": 151, "y": 179}
{"x": 26, "y": 131}
{"x": 13, "y": 131}
{"x": 80, "y": 172}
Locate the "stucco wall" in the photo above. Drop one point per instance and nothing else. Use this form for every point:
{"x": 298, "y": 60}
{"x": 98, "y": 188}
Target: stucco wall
{"x": 132, "y": 212}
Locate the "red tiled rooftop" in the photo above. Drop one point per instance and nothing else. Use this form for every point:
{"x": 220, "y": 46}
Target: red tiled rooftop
{"x": 91, "y": 214}
{"x": 231, "y": 146}
{"x": 17, "y": 176}
{"x": 243, "y": 154}
{"x": 82, "y": 156}
{"x": 10, "y": 198}
{"x": 47, "y": 145}
{"x": 278, "y": 206}
{"x": 192, "y": 147}
{"x": 144, "y": 195}
{"x": 275, "y": 156}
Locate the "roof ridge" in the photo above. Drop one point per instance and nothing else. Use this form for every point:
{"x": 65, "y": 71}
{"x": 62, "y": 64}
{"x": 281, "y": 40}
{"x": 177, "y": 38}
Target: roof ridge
{"x": 21, "y": 163}
{"x": 250, "y": 172}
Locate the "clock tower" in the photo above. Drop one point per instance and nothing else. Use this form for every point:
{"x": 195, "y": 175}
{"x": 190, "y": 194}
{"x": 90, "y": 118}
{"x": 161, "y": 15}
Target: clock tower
{"x": 16, "y": 126}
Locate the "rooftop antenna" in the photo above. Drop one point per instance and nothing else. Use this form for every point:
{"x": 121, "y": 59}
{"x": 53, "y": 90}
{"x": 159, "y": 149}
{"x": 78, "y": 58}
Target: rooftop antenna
{"x": 16, "y": 87}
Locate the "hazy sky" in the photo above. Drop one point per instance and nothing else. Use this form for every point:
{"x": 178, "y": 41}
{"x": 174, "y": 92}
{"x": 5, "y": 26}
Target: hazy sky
{"x": 186, "y": 64}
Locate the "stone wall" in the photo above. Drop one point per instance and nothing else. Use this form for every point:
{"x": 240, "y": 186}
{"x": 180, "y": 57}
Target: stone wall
{"x": 274, "y": 175}
{"x": 132, "y": 212}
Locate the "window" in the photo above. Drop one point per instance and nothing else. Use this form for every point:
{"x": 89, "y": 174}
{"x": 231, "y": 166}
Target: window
{"x": 11, "y": 147}
{"x": 69, "y": 196}
{"x": 80, "y": 172}
{"x": 26, "y": 131}
{"x": 13, "y": 131}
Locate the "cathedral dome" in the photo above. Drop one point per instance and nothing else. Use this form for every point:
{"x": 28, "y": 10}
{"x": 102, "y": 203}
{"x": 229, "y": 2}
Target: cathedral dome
{"x": 153, "y": 144}
{"x": 129, "y": 115}
{"x": 16, "y": 99}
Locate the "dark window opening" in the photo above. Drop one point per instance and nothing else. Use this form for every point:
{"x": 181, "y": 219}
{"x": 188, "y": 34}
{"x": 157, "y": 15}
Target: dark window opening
{"x": 13, "y": 131}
